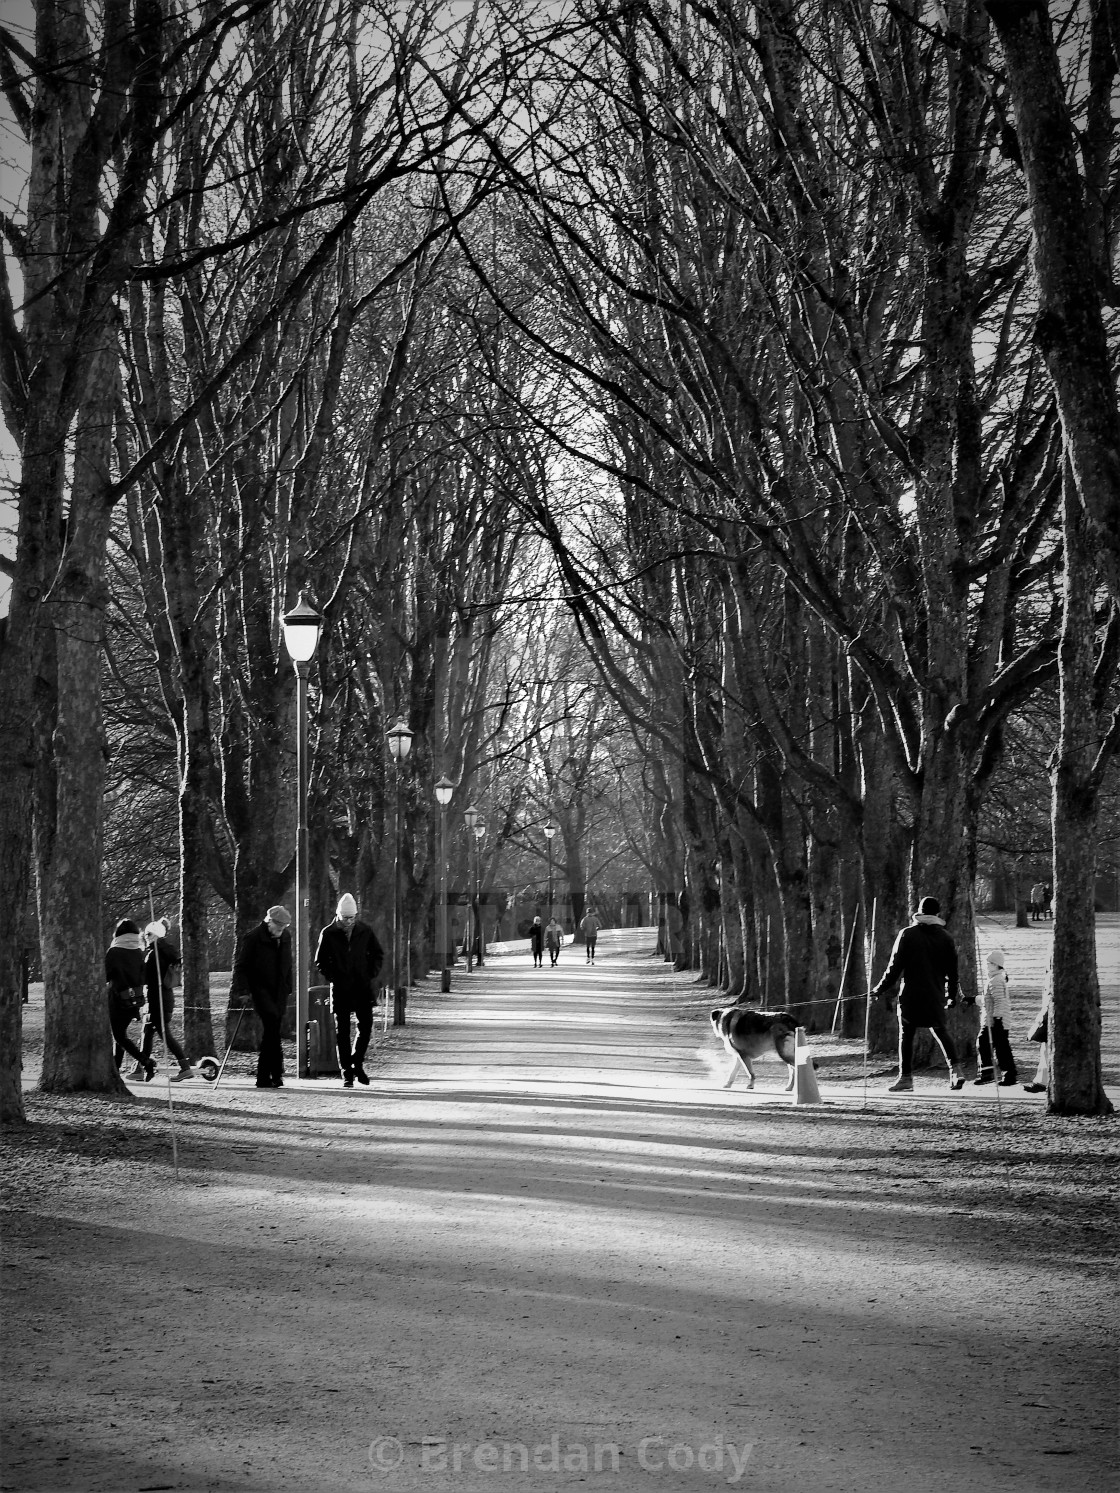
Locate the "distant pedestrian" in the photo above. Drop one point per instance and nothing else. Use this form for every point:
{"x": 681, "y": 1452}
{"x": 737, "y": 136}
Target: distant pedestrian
{"x": 350, "y": 957}
{"x": 1047, "y": 901}
{"x": 536, "y": 943}
{"x": 995, "y": 1024}
{"x": 160, "y": 959}
{"x": 589, "y": 926}
{"x": 1038, "y": 901}
{"x": 263, "y": 971}
{"x": 124, "y": 987}
{"x": 924, "y": 958}
{"x": 554, "y": 939}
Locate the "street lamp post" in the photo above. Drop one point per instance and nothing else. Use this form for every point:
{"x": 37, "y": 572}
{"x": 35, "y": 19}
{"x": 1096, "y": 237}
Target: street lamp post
{"x": 400, "y": 743}
{"x": 479, "y": 831}
{"x": 444, "y": 789}
{"x": 302, "y": 628}
{"x": 549, "y": 831}
{"x": 470, "y": 819}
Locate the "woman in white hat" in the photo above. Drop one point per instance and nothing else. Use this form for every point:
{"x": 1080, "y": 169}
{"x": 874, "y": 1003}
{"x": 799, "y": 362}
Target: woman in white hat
{"x": 161, "y": 955}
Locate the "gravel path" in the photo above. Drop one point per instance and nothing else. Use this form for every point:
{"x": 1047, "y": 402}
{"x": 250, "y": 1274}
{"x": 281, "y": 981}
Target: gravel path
{"x": 543, "y": 1250}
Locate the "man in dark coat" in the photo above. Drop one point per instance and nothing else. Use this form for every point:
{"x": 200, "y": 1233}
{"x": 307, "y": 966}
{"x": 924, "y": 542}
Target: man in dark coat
{"x": 924, "y": 957}
{"x": 124, "y": 984}
{"x": 536, "y": 943}
{"x": 263, "y": 971}
{"x": 350, "y": 958}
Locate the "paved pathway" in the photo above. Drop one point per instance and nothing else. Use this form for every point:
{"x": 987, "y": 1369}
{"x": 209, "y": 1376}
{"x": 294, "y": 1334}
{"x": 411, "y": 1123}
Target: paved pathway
{"x": 543, "y": 1249}
{"x": 618, "y": 1026}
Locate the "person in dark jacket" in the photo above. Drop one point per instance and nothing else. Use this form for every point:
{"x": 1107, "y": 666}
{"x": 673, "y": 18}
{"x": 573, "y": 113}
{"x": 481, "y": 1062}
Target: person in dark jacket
{"x": 263, "y": 971}
{"x": 349, "y": 957}
{"x": 124, "y": 987}
{"x": 590, "y": 925}
{"x": 924, "y": 958}
{"x": 159, "y": 960}
{"x": 536, "y": 943}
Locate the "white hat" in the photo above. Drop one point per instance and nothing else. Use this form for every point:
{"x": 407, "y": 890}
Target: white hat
{"x": 158, "y": 929}
{"x": 996, "y": 957}
{"x": 347, "y": 907}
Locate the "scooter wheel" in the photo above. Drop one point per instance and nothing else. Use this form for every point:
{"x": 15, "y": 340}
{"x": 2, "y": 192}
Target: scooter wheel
{"x": 208, "y": 1068}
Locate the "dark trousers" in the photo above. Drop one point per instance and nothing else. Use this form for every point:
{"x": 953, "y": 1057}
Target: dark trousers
{"x": 270, "y": 1060}
{"x": 343, "y": 1009}
{"x": 591, "y": 949}
{"x": 1002, "y": 1041}
{"x": 158, "y": 1023}
{"x": 906, "y": 1033}
{"x": 122, "y": 1014}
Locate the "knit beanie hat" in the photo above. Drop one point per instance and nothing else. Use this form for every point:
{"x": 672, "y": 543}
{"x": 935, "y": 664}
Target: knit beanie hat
{"x": 347, "y": 907}
{"x": 126, "y": 926}
{"x": 929, "y": 907}
{"x": 279, "y": 915}
{"x": 996, "y": 957}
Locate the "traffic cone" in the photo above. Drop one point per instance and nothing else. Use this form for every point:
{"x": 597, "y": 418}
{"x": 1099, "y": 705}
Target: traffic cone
{"x": 805, "y": 1089}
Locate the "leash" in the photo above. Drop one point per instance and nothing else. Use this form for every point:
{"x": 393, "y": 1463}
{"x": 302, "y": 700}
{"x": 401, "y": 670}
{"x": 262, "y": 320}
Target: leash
{"x": 844, "y": 971}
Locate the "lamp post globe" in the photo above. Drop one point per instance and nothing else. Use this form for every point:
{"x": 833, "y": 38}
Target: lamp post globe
{"x": 303, "y": 627}
{"x": 399, "y": 737}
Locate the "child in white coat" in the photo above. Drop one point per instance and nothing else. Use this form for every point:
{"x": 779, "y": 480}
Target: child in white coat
{"x": 995, "y": 1025}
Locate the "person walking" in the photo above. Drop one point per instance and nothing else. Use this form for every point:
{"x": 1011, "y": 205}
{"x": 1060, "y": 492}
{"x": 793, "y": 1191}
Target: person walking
{"x": 924, "y": 958}
{"x": 263, "y": 971}
{"x": 124, "y": 987}
{"x": 1038, "y": 901}
{"x": 349, "y": 958}
{"x": 589, "y": 926}
{"x": 1039, "y": 1033}
{"x": 995, "y": 1023}
{"x": 160, "y": 958}
{"x": 536, "y": 943}
{"x": 554, "y": 938}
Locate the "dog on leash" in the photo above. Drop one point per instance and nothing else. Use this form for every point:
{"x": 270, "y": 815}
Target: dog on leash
{"x": 749, "y": 1034}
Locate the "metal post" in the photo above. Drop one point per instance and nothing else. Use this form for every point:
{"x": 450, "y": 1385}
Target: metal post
{"x": 550, "y": 878}
{"x": 445, "y": 973}
{"x": 302, "y": 939}
{"x": 470, "y": 906}
{"x": 400, "y": 993}
{"x": 480, "y": 932}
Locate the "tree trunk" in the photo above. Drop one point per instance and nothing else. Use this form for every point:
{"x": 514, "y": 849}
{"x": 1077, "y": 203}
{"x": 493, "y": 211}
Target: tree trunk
{"x": 1067, "y": 247}
{"x": 19, "y": 664}
{"x": 1076, "y": 1082}
{"x": 69, "y": 799}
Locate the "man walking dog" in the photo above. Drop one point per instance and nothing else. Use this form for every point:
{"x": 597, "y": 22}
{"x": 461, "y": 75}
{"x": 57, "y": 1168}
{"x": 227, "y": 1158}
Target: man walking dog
{"x": 924, "y": 958}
